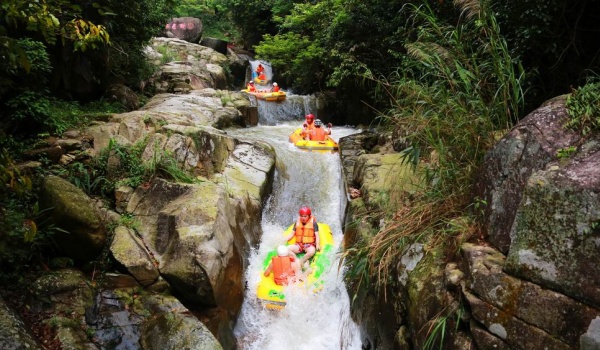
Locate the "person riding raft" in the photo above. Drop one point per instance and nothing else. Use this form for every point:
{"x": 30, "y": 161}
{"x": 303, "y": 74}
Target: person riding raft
{"x": 308, "y": 126}
{"x": 275, "y": 88}
{"x": 285, "y": 266}
{"x": 318, "y": 133}
{"x": 260, "y": 72}
{"x": 306, "y": 231}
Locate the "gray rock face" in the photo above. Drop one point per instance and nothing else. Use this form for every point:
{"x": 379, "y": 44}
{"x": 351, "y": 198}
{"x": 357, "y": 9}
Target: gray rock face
{"x": 351, "y": 147}
{"x": 556, "y": 234}
{"x": 124, "y": 95}
{"x": 122, "y": 316}
{"x": 13, "y": 333}
{"x": 528, "y": 147}
{"x": 548, "y": 313}
{"x": 75, "y": 213}
{"x": 131, "y": 251}
{"x": 183, "y": 66}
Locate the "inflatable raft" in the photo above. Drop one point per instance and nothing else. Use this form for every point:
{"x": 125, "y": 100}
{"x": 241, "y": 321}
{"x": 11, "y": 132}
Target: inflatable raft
{"x": 272, "y": 296}
{"x": 260, "y": 80}
{"x": 267, "y": 96}
{"x": 329, "y": 145}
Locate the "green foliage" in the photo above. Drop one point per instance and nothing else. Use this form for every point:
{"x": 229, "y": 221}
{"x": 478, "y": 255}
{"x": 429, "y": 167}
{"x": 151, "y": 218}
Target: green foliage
{"x": 130, "y": 221}
{"x": 339, "y": 39}
{"x": 26, "y": 101}
{"x": 85, "y": 35}
{"x": 29, "y": 72}
{"x": 546, "y": 35}
{"x": 255, "y": 18}
{"x": 25, "y": 236}
{"x": 119, "y": 165}
{"x": 168, "y": 55}
{"x": 583, "y": 106}
{"x": 47, "y": 19}
{"x": 563, "y": 153}
{"x": 123, "y": 165}
{"x": 89, "y": 178}
{"x": 458, "y": 85}
{"x": 11, "y": 178}
{"x": 166, "y": 165}
{"x": 438, "y": 330}
{"x": 296, "y": 56}
{"x": 131, "y": 28}
{"x": 214, "y": 16}
{"x": 40, "y": 112}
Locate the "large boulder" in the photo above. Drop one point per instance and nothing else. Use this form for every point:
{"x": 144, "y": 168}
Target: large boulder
{"x": 131, "y": 252}
{"x": 116, "y": 314}
{"x": 82, "y": 233}
{"x": 166, "y": 113}
{"x": 551, "y": 315}
{"x": 183, "y": 66}
{"x": 122, "y": 94}
{"x": 528, "y": 147}
{"x": 14, "y": 335}
{"x": 201, "y": 234}
{"x": 556, "y": 234}
{"x": 172, "y": 326}
{"x": 185, "y": 28}
{"x": 350, "y": 148}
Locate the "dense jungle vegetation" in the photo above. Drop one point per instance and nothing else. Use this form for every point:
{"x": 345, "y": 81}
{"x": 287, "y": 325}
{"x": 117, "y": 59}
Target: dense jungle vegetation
{"x": 447, "y": 76}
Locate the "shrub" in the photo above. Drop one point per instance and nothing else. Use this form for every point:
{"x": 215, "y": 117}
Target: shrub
{"x": 583, "y": 106}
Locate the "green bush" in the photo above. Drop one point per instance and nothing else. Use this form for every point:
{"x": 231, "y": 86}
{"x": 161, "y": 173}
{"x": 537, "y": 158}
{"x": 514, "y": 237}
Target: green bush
{"x": 583, "y": 106}
{"x": 457, "y": 87}
{"x": 25, "y": 237}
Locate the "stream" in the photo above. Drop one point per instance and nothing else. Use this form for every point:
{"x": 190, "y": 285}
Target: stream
{"x": 308, "y": 321}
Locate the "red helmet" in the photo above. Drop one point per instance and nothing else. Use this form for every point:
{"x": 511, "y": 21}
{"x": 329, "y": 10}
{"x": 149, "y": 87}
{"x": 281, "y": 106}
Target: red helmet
{"x": 310, "y": 116}
{"x": 304, "y": 211}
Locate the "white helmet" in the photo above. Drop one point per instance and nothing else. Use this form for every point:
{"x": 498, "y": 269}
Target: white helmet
{"x": 282, "y": 250}
{"x": 274, "y": 84}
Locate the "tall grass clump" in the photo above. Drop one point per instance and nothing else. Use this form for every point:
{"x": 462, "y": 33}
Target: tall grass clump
{"x": 583, "y": 106}
{"x": 119, "y": 165}
{"x": 456, "y": 87}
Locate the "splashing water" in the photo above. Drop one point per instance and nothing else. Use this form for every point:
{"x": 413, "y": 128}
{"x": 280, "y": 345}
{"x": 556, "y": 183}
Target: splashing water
{"x": 308, "y": 321}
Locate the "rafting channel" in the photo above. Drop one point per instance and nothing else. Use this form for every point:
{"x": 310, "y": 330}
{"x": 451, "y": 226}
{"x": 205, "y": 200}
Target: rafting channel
{"x": 308, "y": 321}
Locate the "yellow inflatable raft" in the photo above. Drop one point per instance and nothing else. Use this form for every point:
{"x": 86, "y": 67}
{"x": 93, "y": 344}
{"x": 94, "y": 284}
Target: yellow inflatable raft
{"x": 260, "y": 80}
{"x": 329, "y": 145}
{"x": 267, "y": 96}
{"x": 272, "y": 296}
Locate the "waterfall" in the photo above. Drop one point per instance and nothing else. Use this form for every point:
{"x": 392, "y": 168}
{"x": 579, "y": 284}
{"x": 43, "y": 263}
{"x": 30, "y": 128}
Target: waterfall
{"x": 268, "y": 71}
{"x": 293, "y": 108}
{"x": 308, "y": 321}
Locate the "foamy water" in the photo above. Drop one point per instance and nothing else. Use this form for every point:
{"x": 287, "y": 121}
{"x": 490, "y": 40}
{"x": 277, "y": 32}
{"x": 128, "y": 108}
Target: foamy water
{"x": 308, "y": 321}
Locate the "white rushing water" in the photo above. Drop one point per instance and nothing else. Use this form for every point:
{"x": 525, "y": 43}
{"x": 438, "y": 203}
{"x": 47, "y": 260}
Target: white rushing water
{"x": 309, "y": 321}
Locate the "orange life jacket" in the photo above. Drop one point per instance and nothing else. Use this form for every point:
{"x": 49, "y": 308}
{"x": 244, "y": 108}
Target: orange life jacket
{"x": 282, "y": 269}
{"x": 305, "y": 233}
{"x": 309, "y": 128}
{"x": 318, "y": 134}
{"x": 251, "y": 88}
{"x": 275, "y": 88}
